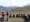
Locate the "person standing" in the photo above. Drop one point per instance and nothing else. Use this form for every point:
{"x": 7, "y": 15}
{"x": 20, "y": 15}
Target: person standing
{"x": 3, "y": 15}
{"x": 29, "y": 18}
{"x": 7, "y": 16}
{"x": 10, "y": 15}
{"x": 26, "y": 18}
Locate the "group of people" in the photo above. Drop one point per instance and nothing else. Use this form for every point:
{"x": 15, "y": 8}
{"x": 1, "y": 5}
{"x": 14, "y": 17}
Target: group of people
{"x": 27, "y": 18}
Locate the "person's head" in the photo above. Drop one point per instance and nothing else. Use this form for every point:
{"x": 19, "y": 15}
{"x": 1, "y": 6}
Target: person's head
{"x": 25, "y": 14}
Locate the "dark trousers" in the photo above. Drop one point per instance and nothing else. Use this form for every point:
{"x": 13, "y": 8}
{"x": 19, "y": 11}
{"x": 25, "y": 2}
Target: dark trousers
{"x": 25, "y": 20}
{"x": 3, "y": 18}
{"x": 7, "y": 18}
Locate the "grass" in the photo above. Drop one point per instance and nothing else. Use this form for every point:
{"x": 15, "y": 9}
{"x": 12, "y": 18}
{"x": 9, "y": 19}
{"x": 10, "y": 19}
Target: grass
{"x": 15, "y": 20}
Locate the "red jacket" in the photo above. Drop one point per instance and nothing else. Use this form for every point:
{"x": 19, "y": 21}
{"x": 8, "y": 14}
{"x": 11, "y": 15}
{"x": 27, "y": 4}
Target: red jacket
{"x": 3, "y": 14}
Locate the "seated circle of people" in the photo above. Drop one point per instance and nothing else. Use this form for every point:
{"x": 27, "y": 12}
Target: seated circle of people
{"x": 13, "y": 15}
{"x": 17, "y": 15}
{"x": 22, "y": 15}
{"x": 10, "y": 16}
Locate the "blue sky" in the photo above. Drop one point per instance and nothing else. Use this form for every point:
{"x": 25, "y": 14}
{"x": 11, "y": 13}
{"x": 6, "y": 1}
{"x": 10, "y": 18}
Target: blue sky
{"x": 14, "y": 2}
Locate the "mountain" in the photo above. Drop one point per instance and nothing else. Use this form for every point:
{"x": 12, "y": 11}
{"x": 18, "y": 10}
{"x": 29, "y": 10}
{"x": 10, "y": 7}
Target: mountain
{"x": 12, "y": 7}
{"x": 6, "y": 8}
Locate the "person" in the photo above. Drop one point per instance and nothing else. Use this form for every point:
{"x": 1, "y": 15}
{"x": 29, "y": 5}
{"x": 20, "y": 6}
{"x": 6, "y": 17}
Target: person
{"x": 3, "y": 15}
{"x": 10, "y": 15}
{"x": 29, "y": 17}
{"x": 17, "y": 16}
{"x": 7, "y": 16}
{"x": 26, "y": 18}
{"x": 13, "y": 15}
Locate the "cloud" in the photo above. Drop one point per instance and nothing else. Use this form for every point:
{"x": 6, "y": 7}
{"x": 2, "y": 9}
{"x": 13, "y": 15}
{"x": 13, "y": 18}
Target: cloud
{"x": 14, "y": 2}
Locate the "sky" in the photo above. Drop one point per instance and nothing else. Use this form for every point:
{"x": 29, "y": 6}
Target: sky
{"x": 14, "y": 2}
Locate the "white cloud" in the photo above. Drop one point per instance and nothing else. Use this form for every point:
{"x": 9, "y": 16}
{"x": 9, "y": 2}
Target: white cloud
{"x": 14, "y": 2}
